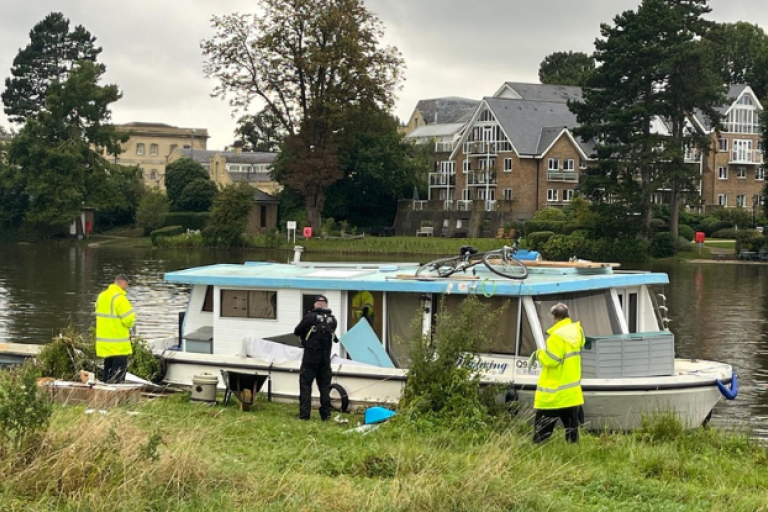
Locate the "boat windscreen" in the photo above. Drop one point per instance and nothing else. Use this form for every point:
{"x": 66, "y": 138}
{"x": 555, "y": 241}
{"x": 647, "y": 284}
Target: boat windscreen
{"x": 595, "y": 310}
{"x": 402, "y": 310}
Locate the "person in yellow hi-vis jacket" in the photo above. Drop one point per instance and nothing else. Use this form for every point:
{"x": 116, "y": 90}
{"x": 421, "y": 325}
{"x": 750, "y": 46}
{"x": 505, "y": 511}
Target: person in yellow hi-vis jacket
{"x": 114, "y": 318}
{"x": 558, "y": 393}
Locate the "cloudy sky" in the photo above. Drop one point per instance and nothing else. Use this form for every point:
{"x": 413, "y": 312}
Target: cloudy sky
{"x": 451, "y": 47}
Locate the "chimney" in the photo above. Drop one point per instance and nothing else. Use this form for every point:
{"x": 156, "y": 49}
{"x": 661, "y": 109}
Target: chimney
{"x": 237, "y": 147}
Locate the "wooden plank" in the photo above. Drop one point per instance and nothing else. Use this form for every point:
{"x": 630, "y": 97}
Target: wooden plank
{"x": 461, "y": 277}
{"x": 568, "y": 264}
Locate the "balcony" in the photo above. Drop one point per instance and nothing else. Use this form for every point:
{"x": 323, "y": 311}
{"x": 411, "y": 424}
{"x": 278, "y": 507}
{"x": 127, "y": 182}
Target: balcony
{"x": 444, "y": 147}
{"x": 464, "y": 206}
{"x": 420, "y": 206}
{"x": 562, "y": 176}
{"x": 481, "y": 179}
{"x": 439, "y": 179}
{"x": 481, "y": 148}
{"x": 746, "y": 156}
{"x": 490, "y": 205}
{"x": 692, "y": 156}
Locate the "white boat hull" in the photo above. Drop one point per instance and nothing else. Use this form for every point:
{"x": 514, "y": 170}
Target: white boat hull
{"x": 610, "y": 404}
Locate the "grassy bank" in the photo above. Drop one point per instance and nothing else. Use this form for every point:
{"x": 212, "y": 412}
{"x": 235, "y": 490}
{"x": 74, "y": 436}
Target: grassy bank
{"x": 401, "y": 245}
{"x": 172, "y": 455}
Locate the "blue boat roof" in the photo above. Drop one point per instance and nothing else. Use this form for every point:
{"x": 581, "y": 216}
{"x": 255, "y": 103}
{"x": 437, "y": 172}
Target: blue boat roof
{"x": 389, "y": 277}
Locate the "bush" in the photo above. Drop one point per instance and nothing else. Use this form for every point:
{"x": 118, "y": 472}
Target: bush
{"x": 67, "y": 354}
{"x": 561, "y": 248}
{"x": 716, "y": 226}
{"x": 550, "y": 214}
{"x": 659, "y": 225}
{"x": 535, "y": 226}
{"x": 538, "y": 239}
{"x": 443, "y": 386}
{"x": 187, "y": 220}
{"x": 152, "y": 210}
{"x": 143, "y": 362}
{"x": 24, "y": 408}
{"x": 663, "y": 245}
{"x": 229, "y": 216}
{"x": 167, "y": 231}
{"x": 685, "y": 232}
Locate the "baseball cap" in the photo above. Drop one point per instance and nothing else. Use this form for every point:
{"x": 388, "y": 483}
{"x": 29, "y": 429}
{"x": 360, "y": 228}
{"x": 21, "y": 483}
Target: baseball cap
{"x": 321, "y": 298}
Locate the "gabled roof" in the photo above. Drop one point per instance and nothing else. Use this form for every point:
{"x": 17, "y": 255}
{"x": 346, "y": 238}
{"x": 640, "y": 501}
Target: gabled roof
{"x": 436, "y": 130}
{"x": 446, "y": 110}
{"x": 539, "y": 92}
{"x": 735, "y": 92}
{"x": 262, "y": 197}
{"x": 202, "y": 156}
{"x": 233, "y": 157}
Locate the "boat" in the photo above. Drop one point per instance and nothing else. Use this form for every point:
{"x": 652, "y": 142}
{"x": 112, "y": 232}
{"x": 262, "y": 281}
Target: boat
{"x": 241, "y": 318}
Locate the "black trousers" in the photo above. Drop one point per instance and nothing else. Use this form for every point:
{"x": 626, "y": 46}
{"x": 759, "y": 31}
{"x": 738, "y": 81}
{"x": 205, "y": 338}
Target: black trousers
{"x": 114, "y": 369}
{"x": 320, "y": 372}
{"x": 546, "y": 419}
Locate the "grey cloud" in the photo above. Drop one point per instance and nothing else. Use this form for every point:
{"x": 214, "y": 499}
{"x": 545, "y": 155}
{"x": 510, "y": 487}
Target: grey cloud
{"x": 451, "y": 47}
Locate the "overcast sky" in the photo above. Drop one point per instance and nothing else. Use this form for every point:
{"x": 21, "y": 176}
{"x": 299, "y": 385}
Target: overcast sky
{"x": 451, "y": 47}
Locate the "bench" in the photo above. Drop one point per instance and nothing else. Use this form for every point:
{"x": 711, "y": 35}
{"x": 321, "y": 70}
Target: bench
{"x": 425, "y": 231}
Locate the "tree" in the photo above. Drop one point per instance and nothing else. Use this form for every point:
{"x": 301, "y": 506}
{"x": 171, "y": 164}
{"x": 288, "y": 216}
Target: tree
{"x": 645, "y": 76}
{"x": 58, "y": 151}
{"x": 197, "y": 196}
{"x": 307, "y": 61}
{"x": 229, "y": 216}
{"x": 152, "y": 210}
{"x": 566, "y": 68}
{"x": 262, "y": 132}
{"x": 178, "y": 175}
{"x": 740, "y": 52}
{"x": 51, "y": 55}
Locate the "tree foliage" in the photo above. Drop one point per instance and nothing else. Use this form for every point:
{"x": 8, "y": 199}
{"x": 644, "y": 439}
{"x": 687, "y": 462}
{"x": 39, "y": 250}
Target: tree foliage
{"x": 58, "y": 151}
{"x": 740, "y": 53}
{"x": 566, "y": 68}
{"x": 261, "y": 132}
{"x": 307, "y": 61}
{"x": 650, "y": 70}
{"x": 229, "y": 216}
{"x": 51, "y": 55}
{"x": 152, "y": 210}
{"x": 197, "y": 196}
{"x": 178, "y": 175}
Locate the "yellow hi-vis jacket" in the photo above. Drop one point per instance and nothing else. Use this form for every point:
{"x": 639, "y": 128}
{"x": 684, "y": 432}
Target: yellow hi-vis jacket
{"x": 114, "y": 316}
{"x": 560, "y": 380}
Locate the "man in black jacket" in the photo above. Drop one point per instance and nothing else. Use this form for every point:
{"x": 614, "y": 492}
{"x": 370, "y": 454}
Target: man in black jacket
{"x": 317, "y": 334}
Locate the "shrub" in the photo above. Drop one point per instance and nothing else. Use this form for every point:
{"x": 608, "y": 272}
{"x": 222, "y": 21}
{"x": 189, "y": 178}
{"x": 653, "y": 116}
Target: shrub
{"x": 443, "y": 386}
{"x": 724, "y": 233}
{"x": 561, "y": 248}
{"x": 167, "y": 231}
{"x": 187, "y": 220}
{"x": 67, "y": 354}
{"x": 143, "y": 362}
{"x": 550, "y": 214}
{"x": 716, "y": 226}
{"x": 572, "y": 227}
{"x": 152, "y": 210}
{"x": 658, "y": 225}
{"x": 229, "y": 216}
{"x": 538, "y": 239}
{"x": 685, "y": 232}
{"x": 183, "y": 241}
{"x": 24, "y": 407}
{"x": 534, "y": 226}
{"x": 663, "y": 245}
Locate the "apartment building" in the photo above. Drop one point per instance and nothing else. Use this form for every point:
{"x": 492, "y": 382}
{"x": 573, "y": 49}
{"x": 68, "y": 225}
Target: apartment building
{"x": 150, "y": 145}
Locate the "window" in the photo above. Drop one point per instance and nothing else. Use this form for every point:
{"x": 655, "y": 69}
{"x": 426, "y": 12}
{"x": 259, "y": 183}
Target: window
{"x": 553, "y": 164}
{"x": 582, "y": 163}
{"x": 552, "y": 195}
{"x": 249, "y": 304}
{"x": 262, "y": 216}
{"x": 759, "y": 174}
{"x": 741, "y": 173}
{"x": 153, "y": 174}
{"x": 154, "y": 150}
{"x": 722, "y": 173}
{"x": 486, "y": 116}
{"x": 466, "y": 194}
{"x": 366, "y": 305}
{"x": 507, "y": 194}
{"x": 722, "y": 145}
{"x": 741, "y": 200}
{"x": 567, "y": 195}
{"x": 722, "y": 199}
{"x": 208, "y": 302}
{"x": 507, "y": 165}
{"x": 759, "y": 146}
{"x": 481, "y": 193}
{"x": 466, "y": 166}
{"x": 568, "y": 165}
{"x": 486, "y": 163}
{"x": 448, "y": 167}
{"x": 174, "y": 146}
{"x": 140, "y": 148}
{"x": 744, "y": 117}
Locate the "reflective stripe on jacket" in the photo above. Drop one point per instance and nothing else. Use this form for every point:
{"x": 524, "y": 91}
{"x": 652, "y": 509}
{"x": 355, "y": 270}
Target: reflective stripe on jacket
{"x": 114, "y": 318}
{"x": 560, "y": 380}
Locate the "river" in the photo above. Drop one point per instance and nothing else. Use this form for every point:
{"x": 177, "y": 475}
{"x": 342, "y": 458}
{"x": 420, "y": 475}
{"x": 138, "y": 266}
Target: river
{"x": 718, "y": 311}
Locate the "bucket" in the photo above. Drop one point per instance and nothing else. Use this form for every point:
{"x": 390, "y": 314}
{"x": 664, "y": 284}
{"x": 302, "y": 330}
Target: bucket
{"x": 204, "y": 387}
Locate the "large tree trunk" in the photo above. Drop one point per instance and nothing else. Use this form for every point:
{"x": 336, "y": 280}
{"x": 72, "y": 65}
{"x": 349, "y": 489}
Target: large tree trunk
{"x": 314, "y": 205}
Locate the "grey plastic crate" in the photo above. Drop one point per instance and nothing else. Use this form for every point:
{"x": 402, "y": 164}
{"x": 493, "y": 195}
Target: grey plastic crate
{"x": 629, "y": 355}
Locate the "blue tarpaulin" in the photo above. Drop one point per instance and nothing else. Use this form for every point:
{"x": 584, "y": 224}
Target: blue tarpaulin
{"x": 364, "y": 345}
{"x": 377, "y": 415}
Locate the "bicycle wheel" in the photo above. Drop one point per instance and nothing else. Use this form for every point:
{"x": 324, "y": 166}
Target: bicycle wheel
{"x": 505, "y": 265}
{"x": 443, "y": 267}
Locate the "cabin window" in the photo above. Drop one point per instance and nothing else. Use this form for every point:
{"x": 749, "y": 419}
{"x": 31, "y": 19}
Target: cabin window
{"x": 504, "y": 329}
{"x": 527, "y": 340}
{"x": 249, "y": 304}
{"x": 630, "y": 310}
{"x": 366, "y": 305}
{"x": 595, "y": 311}
{"x": 402, "y": 310}
{"x": 208, "y": 302}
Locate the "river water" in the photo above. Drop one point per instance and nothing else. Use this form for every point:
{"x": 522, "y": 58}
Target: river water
{"x": 719, "y": 311}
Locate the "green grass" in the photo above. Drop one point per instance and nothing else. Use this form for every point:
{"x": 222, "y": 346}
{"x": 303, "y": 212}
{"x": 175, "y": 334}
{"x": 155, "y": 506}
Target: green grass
{"x": 175, "y": 455}
{"x": 721, "y": 244}
{"x": 401, "y": 245}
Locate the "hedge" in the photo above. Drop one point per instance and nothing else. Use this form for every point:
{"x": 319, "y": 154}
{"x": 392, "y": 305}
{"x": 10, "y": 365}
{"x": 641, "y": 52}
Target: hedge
{"x": 685, "y": 232}
{"x": 166, "y": 231}
{"x": 663, "y": 245}
{"x": 535, "y": 226}
{"x": 714, "y": 227}
{"x": 561, "y": 248}
{"x": 187, "y": 220}
{"x": 537, "y": 239}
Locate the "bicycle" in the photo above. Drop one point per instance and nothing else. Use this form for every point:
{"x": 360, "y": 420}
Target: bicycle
{"x": 501, "y": 262}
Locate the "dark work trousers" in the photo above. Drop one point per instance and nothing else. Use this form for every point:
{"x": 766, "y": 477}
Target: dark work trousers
{"x": 321, "y": 372}
{"x": 546, "y": 419}
{"x": 114, "y": 369}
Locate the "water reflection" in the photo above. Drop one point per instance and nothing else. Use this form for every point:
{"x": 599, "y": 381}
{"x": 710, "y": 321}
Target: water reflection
{"x": 718, "y": 311}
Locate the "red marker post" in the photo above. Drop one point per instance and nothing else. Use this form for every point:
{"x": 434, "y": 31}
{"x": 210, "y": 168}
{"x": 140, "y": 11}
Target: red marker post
{"x": 698, "y": 237}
